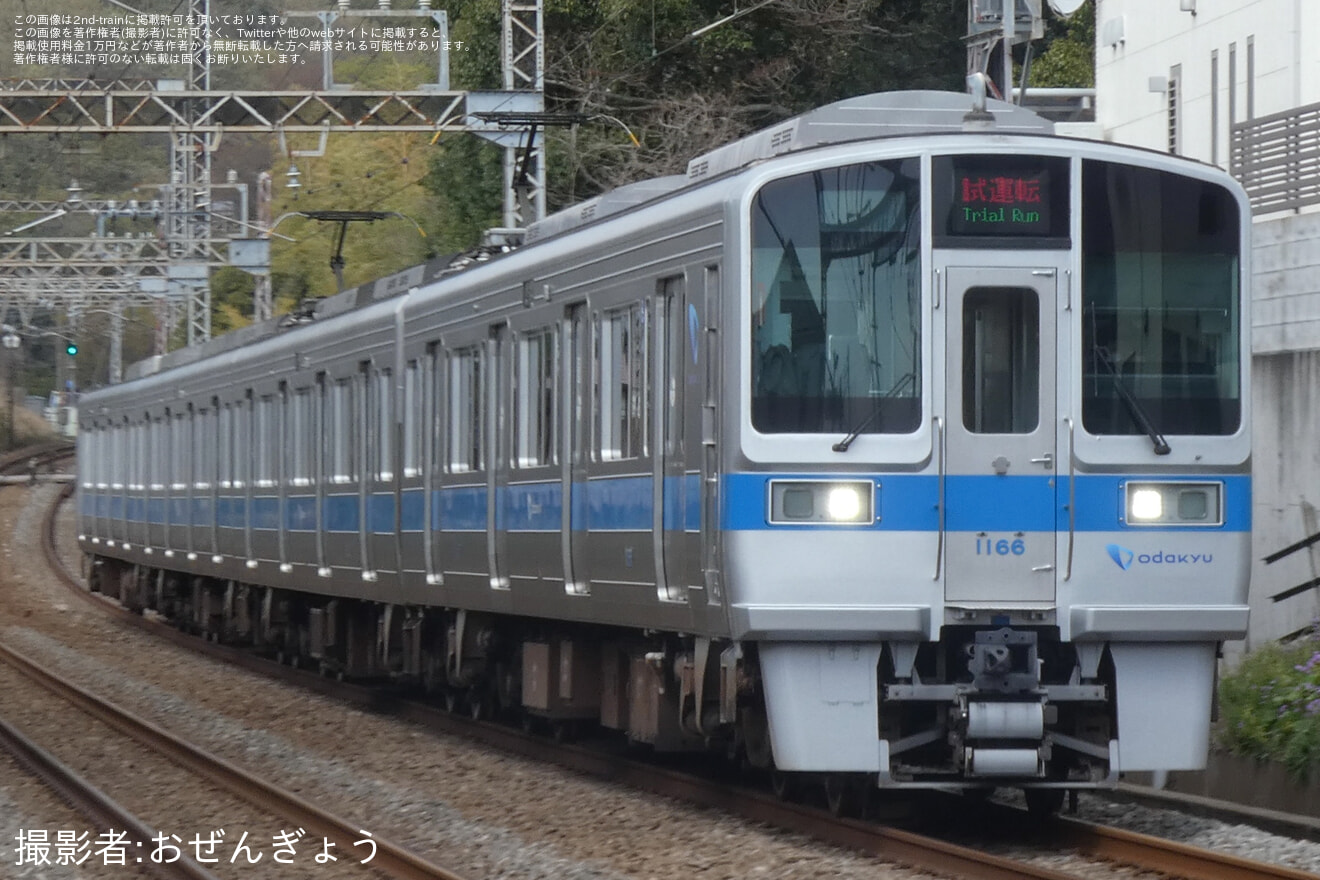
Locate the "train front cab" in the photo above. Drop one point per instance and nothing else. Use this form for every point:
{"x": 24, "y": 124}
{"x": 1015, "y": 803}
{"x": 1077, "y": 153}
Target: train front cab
{"x": 1049, "y": 557}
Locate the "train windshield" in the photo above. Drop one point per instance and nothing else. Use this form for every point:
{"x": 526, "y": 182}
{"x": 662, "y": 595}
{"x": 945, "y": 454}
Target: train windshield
{"x": 836, "y": 291}
{"x": 1160, "y": 335}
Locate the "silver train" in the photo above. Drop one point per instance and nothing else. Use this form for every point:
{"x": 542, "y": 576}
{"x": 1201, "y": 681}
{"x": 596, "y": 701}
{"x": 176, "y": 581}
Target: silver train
{"x": 897, "y": 445}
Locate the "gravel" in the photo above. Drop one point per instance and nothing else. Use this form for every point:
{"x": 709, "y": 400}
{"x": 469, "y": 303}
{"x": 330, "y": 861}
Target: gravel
{"x": 1238, "y": 839}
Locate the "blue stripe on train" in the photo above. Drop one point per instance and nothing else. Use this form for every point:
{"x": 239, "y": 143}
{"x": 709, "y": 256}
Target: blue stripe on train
{"x": 202, "y": 513}
{"x": 459, "y": 509}
{"x": 339, "y": 513}
{"x": 300, "y": 513}
{"x": 904, "y": 502}
{"x": 910, "y": 502}
{"x": 532, "y": 507}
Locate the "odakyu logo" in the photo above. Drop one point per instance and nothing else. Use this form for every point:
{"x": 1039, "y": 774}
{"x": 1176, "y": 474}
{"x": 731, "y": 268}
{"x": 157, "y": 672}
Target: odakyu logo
{"x": 1122, "y": 556}
{"x": 1125, "y": 558}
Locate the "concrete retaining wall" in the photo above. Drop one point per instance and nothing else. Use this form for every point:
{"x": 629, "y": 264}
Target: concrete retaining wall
{"x": 1252, "y": 783}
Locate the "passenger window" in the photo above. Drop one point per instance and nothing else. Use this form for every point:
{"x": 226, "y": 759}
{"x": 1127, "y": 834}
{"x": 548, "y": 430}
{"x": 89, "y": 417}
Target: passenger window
{"x": 672, "y": 369}
{"x": 534, "y": 415}
{"x": 342, "y": 464}
{"x": 623, "y": 399}
{"x": 205, "y": 469}
{"x": 225, "y": 453}
{"x": 298, "y": 460}
{"x": 268, "y": 440}
{"x": 382, "y": 418}
{"x": 242, "y": 441}
{"x": 413, "y": 420}
{"x": 1001, "y": 360}
{"x": 466, "y": 410}
{"x": 182, "y": 445}
{"x": 136, "y": 455}
{"x": 117, "y": 457}
{"x": 435, "y": 433}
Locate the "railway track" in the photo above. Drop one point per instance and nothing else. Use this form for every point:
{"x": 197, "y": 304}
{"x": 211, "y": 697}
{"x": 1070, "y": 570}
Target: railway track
{"x": 389, "y": 859}
{"x": 165, "y": 859}
{"x": 16, "y": 462}
{"x": 75, "y": 790}
{"x": 917, "y": 850}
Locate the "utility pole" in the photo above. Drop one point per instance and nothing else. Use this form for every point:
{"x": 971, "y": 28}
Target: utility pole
{"x": 11, "y": 342}
{"x": 1000, "y": 25}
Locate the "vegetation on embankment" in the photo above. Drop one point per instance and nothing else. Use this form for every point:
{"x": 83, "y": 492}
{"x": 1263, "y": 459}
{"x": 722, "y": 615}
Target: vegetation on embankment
{"x": 1270, "y": 706}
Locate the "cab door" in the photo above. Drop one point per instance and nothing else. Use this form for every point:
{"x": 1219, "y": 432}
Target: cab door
{"x": 1000, "y": 456}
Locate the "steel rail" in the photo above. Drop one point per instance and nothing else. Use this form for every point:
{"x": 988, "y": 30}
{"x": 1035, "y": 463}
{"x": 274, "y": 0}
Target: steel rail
{"x": 46, "y": 451}
{"x": 1166, "y": 856}
{"x": 94, "y": 804}
{"x": 389, "y": 858}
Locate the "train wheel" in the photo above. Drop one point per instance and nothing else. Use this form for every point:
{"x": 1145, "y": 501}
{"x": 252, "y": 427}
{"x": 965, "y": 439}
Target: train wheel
{"x": 784, "y": 784}
{"x": 433, "y": 673}
{"x": 1044, "y": 802}
{"x": 845, "y": 794}
{"x": 481, "y": 705}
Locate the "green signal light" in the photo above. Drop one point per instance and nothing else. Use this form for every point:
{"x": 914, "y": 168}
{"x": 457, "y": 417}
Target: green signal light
{"x": 71, "y": 349}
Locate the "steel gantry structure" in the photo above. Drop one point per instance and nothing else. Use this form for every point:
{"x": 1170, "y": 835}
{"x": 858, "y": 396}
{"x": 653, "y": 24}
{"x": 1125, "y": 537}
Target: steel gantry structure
{"x": 58, "y": 273}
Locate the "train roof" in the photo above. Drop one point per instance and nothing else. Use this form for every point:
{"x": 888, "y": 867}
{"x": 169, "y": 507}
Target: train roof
{"x": 880, "y": 115}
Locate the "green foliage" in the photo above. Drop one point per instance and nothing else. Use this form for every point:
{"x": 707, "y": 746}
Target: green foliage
{"x": 1068, "y": 60}
{"x": 42, "y": 166}
{"x": 1270, "y": 706}
{"x": 360, "y": 173}
{"x": 476, "y": 24}
{"x": 231, "y": 299}
{"x": 465, "y": 177}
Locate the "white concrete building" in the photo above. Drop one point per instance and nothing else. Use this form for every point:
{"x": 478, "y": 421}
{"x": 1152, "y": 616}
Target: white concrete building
{"x": 1237, "y": 83}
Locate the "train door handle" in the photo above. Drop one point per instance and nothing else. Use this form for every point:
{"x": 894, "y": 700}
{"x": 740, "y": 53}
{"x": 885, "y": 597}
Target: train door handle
{"x": 1047, "y": 459}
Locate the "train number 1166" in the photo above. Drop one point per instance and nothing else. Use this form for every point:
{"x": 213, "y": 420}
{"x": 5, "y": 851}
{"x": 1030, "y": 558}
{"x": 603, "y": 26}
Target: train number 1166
{"x": 990, "y": 546}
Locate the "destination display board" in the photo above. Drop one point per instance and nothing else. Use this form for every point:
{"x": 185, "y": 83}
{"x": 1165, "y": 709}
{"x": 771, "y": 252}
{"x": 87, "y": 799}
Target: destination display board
{"x": 980, "y": 198}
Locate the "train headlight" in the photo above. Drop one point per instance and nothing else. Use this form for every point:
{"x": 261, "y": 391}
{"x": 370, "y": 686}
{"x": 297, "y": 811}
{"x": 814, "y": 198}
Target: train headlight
{"x": 843, "y": 503}
{"x": 1146, "y": 505}
{"x": 832, "y": 502}
{"x": 1186, "y": 504}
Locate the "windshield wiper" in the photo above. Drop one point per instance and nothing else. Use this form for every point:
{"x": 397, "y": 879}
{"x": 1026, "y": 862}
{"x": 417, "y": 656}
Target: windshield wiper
{"x": 842, "y": 445}
{"x": 1131, "y": 404}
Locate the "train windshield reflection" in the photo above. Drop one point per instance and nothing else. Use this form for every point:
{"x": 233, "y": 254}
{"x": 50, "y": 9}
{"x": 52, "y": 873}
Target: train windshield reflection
{"x": 836, "y": 290}
{"x": 1160, "y": 302}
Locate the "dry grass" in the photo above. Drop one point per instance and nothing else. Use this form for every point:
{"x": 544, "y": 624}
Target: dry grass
{"x": 28, "y": 427}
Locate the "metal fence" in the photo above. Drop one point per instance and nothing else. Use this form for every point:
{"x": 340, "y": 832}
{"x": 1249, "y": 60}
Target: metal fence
{"x": 1276, "y": 158}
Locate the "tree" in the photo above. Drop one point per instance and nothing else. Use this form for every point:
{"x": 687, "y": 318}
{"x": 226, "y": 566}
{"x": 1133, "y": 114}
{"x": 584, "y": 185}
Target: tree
{"x": 655, "y": 96}
{"x": 1068, "y": 59}
{"x": 682, "y": 95}
{"x": 231, "y": 299}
